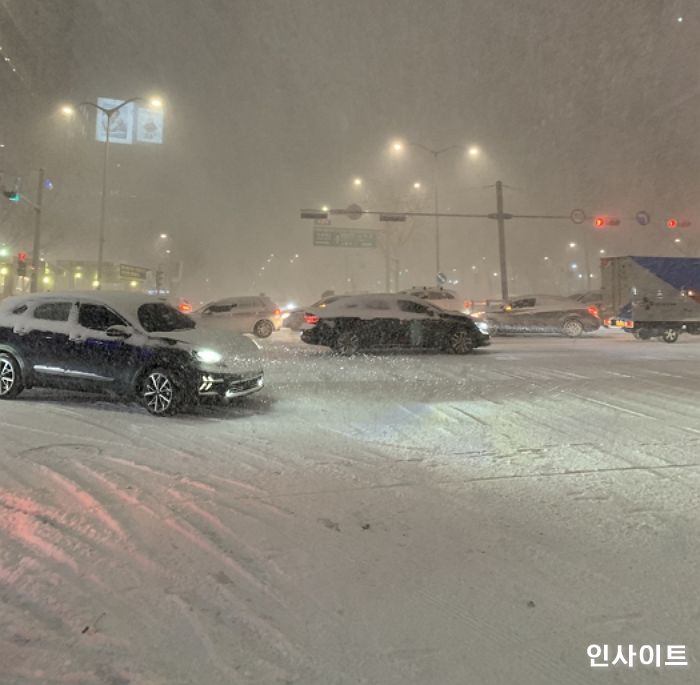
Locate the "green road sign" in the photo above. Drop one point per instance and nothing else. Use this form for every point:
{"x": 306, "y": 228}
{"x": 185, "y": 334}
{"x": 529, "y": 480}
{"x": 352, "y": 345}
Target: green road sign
{"x": 133, "y": 273}
{"x": 344, "y": 237}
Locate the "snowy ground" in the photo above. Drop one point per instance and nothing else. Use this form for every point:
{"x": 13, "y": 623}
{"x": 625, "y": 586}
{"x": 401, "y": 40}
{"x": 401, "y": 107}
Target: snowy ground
{"x": 385, "y": 520}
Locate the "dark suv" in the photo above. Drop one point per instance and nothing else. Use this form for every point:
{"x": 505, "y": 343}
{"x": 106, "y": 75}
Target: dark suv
{"x": 126, "y": 343}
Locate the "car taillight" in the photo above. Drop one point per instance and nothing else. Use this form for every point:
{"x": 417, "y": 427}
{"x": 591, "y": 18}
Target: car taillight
{"x": 185, "y": 307}
{"x": 467, "y": 304}
{"x": 277, "y": 312}
{"x": 311, "y": 319}
{"x": 593, "y": 310}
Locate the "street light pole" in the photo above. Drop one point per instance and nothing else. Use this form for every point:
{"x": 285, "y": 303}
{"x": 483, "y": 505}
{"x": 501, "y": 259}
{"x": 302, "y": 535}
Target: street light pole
{"x": 437, "y": 210}
{"x": 436, "y": 155}
{"x": 108, "y": 113}
{"x": 103, "y": 204}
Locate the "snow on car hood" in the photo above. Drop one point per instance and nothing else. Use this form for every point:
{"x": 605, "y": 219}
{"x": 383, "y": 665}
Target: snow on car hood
{"x": 239, "y": 352}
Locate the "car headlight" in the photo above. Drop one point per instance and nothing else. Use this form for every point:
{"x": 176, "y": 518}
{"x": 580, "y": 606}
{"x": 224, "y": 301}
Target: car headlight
{"x": 483, "y": 326}
{"x": 207, "y": 356}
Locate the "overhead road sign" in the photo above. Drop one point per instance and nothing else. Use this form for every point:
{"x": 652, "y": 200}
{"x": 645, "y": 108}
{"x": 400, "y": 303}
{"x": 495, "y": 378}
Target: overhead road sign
{"x": 344, "y": 237}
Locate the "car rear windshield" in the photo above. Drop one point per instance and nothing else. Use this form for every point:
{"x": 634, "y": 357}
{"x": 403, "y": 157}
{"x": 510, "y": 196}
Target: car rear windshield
{"x": 158, "y": 317}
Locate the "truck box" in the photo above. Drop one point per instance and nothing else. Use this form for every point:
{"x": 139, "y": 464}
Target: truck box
{"x": 651, "y": 296}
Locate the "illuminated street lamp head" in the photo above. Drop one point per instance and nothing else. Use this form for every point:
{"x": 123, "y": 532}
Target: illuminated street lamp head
{"x": 397, "y": 146}
{"x": 67, "y": 111}
{"x": 474, "y": 151}
{"x": 357, "y": 182}
{"x": 163, "y": 236}
{"x": 156, "y": 102}
{"x": 324, "y": 208}
{"x": 416, "y": 185}
{"x": 572, "y": 244}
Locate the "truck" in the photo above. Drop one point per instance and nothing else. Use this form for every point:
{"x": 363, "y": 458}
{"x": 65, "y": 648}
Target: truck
{"x": 651, "y": 296}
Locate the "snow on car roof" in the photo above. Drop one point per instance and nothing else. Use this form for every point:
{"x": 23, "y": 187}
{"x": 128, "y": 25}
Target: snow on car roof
{"x": 361, "y": 305}
{"x": 125, "y": 303}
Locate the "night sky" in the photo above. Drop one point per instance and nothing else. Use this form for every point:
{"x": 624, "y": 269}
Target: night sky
{"x": 277, "y": 105}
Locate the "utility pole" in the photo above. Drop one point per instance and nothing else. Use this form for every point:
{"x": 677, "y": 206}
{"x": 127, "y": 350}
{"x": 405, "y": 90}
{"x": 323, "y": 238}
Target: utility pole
{"x": 36, "y": 250}
{"x": 500, "y": 217}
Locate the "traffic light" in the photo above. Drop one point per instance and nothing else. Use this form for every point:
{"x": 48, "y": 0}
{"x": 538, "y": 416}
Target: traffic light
{"x": 675, "y": 223}
{"x": 12, "y": 195}
{"x": 603, "y": 221}
{"x": 22, "y": 264}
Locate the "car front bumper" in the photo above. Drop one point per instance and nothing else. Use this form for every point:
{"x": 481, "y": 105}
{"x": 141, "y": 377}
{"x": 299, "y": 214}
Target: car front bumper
{"x": 229, "y": 386}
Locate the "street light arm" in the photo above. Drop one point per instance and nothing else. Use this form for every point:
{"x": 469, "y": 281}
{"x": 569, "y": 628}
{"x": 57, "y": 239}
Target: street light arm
{"x": 424, "y": 147}
{"x": 109, "y": 111}
{"x": 92, "y": 104}
{"x": 436, "y": 153}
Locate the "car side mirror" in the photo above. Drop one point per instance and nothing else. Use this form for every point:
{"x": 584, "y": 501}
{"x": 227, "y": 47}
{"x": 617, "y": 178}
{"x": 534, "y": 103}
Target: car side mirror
{"x": 122, "y": 332}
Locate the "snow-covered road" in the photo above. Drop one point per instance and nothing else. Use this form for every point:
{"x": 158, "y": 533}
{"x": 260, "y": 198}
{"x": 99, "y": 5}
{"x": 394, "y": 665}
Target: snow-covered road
{"x": 385, "y": 519}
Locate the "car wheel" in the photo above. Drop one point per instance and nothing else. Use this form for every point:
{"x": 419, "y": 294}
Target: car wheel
{"x": 263, "y": 329}
{"x": 461, "y": 342}
{"x": 347, "y": 343}
{"x": 670, "y": 335}
{"x": 642, "y": 334}
{"x": 160, "y": 393}
{"x": 10, "y": 377}
{"x": 572, "y": 328}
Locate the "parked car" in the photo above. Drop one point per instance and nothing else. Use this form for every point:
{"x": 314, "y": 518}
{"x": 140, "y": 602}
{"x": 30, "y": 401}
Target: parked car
{"x": 441, "y": 297}
{"x": 353, "y": 323}
{"x": 295, "y": 317}
{"x": 594, "y": 297}
{"x": 257, "y": 315}
{"x": 542, "y": 314}
{"x": 130, "y": 344}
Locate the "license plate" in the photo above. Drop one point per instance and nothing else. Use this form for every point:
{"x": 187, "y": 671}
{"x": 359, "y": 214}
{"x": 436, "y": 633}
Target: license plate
{"x": 620, "y": 324}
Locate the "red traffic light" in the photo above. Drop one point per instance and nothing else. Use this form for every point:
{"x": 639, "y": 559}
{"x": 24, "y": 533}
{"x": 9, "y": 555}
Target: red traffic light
{"x": 671, "y": 223}
{"x": 603, "y": 221}
{"x": 22, "y": 256}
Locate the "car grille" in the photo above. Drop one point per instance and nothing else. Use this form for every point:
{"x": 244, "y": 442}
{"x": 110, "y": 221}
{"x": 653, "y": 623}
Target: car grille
{"x": 238, "y": 387}
{"x": 230, "y": 386}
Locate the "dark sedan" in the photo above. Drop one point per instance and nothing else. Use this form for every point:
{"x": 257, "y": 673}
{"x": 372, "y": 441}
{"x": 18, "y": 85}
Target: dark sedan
{"x": 362, "y": 322}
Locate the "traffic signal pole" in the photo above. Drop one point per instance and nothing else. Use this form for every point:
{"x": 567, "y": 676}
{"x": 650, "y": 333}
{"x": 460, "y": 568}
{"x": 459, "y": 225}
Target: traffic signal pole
{"x": 500, "y": 217}
{"x": 577, "y": 216}
{"x": 36, "y": 249}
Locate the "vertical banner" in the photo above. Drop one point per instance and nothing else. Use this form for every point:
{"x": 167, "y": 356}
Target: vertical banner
{"x": 149, "y": 125}
{"x": 121, "y": 129}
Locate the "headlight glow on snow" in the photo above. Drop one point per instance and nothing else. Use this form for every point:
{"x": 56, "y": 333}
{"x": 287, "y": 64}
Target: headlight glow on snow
{"x": 208, "y": 356}
{"x": 482, "y": 326}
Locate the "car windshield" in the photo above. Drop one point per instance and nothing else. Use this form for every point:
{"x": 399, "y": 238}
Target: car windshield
{"x": 159, "y": 317}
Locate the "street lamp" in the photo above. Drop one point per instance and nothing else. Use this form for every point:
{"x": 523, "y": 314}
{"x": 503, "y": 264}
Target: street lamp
{"x": 108, "y": 112}
{"x": 473, "y": 151}
{"x": 357, "y": 182}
